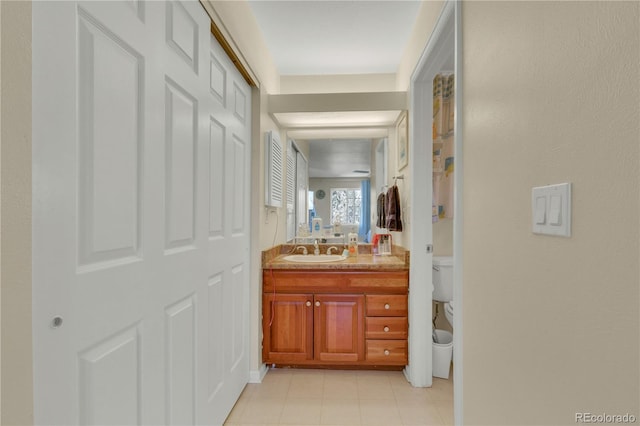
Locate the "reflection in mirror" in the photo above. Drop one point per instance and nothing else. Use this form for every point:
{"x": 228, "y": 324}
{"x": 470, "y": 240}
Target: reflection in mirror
{"x": 336, "y": 170}
{"x": 380, "y": 171}
{"x": 297, "y": 189}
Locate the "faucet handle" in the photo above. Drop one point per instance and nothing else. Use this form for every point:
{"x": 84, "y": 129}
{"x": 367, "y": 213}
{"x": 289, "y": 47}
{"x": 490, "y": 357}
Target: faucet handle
{"x": 304, "y": 249}
{"x": 332, "y": 248}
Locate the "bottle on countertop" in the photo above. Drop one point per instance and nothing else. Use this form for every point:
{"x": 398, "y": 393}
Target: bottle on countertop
{"x": 316, "y": 227}
{"x": 353, "y": 244}
{"x": 337, "y": 229}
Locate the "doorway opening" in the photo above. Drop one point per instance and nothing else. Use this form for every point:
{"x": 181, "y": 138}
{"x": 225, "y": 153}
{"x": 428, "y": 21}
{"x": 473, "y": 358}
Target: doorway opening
{"x": 442, "y": 54}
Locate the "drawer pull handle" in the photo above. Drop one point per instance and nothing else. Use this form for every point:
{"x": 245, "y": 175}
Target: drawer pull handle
{"x": 308, "y": 303}
{"x": 387, "y": 306}
{"x": 386, "y": 329}
{"x": 387, "y": 352}
{"x": 317, "y": 303}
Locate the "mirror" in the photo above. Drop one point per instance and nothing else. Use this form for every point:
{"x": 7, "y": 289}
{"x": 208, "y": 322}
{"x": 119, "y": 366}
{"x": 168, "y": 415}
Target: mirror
{"x": 336, "y": 168}
{"x": 339, "y": 158}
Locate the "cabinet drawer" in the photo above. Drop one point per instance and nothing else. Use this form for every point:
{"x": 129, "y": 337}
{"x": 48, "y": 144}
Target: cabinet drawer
{"x": 387, "y": 351}
{"x": 386, "y": 328}
{"x": 387, "y": 305}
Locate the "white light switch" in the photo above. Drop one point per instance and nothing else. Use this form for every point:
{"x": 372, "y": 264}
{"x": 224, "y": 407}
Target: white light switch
{"x": 540, "y": 214}
{"x": 551, "y": 209}
{"x": 555, "y": 210}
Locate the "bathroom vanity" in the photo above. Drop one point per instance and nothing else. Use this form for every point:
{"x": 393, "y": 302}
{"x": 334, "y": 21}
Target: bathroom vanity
{"x": 350, "y": 312}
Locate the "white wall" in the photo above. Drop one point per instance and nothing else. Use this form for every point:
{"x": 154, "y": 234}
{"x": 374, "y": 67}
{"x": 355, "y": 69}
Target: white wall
{"x": 551, "y": 324}
{"x": 425, "y": 22}
{"x": 443, "y": 237}
{"x": 404, "y": 189}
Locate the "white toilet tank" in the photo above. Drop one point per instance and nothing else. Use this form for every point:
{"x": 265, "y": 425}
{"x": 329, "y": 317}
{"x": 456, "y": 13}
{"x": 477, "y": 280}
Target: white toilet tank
{"x": 443, "y": 278}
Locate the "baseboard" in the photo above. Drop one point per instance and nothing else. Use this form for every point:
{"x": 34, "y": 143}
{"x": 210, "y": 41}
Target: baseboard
{"x": 407, "y": 373}
{"x": 256, "y": 376}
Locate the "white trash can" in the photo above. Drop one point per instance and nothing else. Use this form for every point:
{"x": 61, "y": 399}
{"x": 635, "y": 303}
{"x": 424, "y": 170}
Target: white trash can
{"x": 442, "y": 354}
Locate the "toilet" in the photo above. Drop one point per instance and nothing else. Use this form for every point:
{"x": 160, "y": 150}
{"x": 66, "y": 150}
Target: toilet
{"x": 442, "y": 347}
{"x": 442, "y": 275}
{"x": 448, "y": 312}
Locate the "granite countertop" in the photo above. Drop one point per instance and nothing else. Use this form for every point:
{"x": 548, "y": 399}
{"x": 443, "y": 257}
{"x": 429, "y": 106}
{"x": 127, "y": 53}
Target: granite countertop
{"x": 398, "y": 260}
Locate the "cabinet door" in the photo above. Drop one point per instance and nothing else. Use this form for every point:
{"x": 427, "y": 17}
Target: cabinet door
{"x": 339, "y": 327}
{"x": 287, "y": 327}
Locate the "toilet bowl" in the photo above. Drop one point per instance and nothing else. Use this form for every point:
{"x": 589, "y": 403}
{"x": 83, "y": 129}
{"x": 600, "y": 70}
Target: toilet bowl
{"x": 442, "y": 277}
{"x": 443, "y": 284}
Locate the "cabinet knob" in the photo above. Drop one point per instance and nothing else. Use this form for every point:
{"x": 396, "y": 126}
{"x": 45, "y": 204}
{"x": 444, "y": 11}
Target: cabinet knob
{"x": 317, "y": 303}
{"x": 308, "y": 303}
{"x": 387, "y": 352}
{"x": 386, "y": 329}
{"x": 387, "y": 306}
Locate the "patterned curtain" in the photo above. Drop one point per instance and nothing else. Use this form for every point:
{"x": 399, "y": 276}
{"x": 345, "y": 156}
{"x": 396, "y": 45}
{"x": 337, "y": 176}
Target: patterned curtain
{"x": 443, "y": 125}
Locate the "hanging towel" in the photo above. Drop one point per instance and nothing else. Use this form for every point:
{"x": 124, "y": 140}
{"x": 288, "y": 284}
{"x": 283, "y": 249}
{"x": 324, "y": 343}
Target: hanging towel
{"x": 394, "y": 222}
{"x": 381, "y": 222}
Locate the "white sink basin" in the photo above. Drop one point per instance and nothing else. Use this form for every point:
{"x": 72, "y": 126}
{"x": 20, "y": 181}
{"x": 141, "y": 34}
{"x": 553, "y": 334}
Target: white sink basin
{"x": 310, "y": 258}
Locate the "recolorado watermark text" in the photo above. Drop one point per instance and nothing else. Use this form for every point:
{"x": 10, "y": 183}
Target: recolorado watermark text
{"x": 605, "y": 418}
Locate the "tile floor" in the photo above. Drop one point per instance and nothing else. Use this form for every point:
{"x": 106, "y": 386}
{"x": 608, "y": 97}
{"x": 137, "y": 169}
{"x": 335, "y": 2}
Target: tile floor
{"x": 342, "y": 397}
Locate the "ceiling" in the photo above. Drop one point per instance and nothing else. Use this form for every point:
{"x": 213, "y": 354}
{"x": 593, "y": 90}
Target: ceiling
{"x": 308, "y": 37}
{"x": 339, "y": 158}
{"x": 311, "y": 37}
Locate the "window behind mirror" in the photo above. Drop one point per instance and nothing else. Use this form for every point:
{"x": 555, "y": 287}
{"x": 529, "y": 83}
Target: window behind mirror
{"x": 346, "y": 206}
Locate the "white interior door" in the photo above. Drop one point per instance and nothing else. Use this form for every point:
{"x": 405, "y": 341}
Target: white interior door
{"x": 141, "y": 153}
{"x": 226, "y": 294}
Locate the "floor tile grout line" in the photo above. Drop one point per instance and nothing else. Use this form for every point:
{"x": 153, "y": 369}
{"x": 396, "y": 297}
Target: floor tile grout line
{"x": 390, "y": 380}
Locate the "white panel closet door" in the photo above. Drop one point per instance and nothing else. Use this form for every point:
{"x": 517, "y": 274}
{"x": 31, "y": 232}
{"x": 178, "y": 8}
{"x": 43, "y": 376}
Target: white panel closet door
{"x": 129, "y": 292}
{"x": 226, "y": 313}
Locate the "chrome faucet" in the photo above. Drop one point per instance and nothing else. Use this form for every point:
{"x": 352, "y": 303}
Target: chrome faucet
{"x": 316, "y": 249}
{"x": 332, "y": 248}
{"x": 304, "y": 249}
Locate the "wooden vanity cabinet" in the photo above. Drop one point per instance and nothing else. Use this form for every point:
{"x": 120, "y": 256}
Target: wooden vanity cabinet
{"x": 387, "y": 329}
{"x": 287, "y": 327}
{"x": 335, "y": 318}
{"x": 305, "y": 327}
{"x": 338, "y": 327}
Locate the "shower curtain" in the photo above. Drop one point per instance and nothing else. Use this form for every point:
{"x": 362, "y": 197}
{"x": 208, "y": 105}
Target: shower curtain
{"x": 443, "y": 148}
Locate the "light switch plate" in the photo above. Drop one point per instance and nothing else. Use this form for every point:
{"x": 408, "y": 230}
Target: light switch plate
{"x": 540, "y": 210}
{"x": 551, "y": 209}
